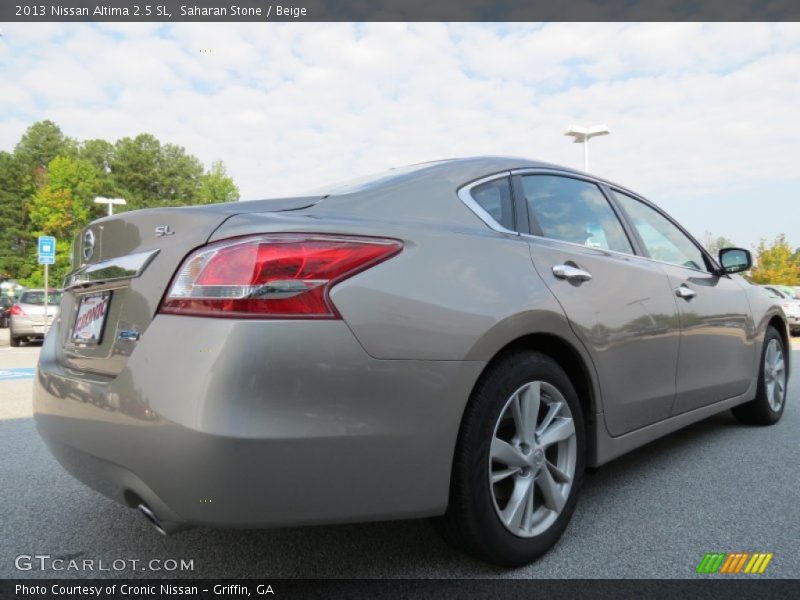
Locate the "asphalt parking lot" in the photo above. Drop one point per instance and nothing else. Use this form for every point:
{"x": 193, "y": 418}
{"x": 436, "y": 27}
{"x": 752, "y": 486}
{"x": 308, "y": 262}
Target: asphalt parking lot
{"x": 716, "y": 486}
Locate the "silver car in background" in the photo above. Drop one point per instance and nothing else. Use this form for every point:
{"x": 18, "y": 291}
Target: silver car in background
{"x": 457, "y": 339}
{"x": 790, "y": 305}
{"x": 30, "y": 318}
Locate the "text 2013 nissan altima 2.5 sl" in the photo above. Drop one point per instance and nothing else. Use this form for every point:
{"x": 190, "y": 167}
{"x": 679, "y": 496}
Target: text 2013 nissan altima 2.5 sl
{"x": 457, "y": 339}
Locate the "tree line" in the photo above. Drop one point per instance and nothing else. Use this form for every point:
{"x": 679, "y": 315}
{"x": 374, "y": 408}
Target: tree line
{"x": 776, "y": 262}
{"x": 49, "y": 182}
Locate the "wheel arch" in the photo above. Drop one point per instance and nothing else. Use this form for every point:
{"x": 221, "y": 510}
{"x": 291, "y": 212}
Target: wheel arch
{"x": 575, "y": 363}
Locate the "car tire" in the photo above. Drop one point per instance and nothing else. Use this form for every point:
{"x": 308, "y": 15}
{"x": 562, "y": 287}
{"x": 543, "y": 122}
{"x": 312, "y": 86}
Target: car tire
{"x": 481, "y": 519}
{"x": 767, "y": 407}
{"x": 14, "y": 341}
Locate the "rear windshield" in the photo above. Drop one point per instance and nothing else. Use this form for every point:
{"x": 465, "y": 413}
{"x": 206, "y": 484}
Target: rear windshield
{"x": 370, "y": 181}
{"x": 37, "y": 298}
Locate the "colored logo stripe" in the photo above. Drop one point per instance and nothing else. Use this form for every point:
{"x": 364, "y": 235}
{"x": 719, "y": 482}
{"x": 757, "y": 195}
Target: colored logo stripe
{"x": 758, "y": 563}
{"x": 711, "y": 563}
{"x": 734, "y": 562}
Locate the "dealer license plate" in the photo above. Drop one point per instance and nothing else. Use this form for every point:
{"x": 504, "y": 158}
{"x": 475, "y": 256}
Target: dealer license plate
{"x": 92, "y": 312}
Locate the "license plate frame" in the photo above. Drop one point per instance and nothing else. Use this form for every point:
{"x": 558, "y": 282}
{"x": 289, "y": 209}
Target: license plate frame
{"x": 90, "y": 332}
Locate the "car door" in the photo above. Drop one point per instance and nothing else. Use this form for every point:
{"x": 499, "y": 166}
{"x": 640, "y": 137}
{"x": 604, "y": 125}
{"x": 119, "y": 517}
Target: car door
{"x": 619, "y": 304}
{"x": 717, "y": 331}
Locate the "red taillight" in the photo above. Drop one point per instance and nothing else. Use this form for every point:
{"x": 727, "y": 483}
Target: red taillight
{"x": 16, "y": 311}
{"x": 273, "y": 276}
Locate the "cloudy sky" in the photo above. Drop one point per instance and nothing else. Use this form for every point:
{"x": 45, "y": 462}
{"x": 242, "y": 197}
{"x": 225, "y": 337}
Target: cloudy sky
{"x": 705, "y": 119}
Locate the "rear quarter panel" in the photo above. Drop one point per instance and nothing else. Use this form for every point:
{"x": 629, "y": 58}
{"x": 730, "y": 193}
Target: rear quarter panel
{"x": 453, "y": 293}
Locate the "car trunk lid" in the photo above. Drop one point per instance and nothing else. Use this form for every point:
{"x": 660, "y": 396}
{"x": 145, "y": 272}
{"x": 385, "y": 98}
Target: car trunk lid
{"x": 123, "y": 265}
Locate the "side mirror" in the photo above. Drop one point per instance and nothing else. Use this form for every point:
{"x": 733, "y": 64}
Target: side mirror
{"x": 735, "y": 260}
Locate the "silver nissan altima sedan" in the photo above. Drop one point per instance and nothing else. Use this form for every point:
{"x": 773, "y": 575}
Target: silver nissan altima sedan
{"x": 457, "y": 339}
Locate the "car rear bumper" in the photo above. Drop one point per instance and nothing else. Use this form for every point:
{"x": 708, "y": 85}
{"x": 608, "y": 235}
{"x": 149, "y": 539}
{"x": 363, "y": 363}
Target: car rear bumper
{"x": 258, "y": 423}
{"x": 24, "y": 326}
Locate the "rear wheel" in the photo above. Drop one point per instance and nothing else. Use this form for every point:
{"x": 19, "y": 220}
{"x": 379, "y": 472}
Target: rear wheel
{"x": 767, "y": 407}
{"x": 14, "y": 341}
{"x": 519, "y": 463}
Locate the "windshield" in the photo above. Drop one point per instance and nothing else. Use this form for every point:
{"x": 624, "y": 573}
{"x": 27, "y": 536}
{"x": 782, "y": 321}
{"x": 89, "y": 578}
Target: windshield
{"x": 37, "y": 298}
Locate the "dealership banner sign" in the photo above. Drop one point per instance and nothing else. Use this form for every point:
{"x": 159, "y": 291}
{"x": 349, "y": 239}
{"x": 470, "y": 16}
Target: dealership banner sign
{"x": 398, "y": 10}
{"x": 312, "y": 589}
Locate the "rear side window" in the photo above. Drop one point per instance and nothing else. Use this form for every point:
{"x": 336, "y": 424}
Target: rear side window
{"x": 572, "y": 210}
{"x": 494, "y": 197}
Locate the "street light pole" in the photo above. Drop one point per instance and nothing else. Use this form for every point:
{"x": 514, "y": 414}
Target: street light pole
{"x": 582, "y": 135}
{"x": 586, "y": 154}
{"x": 110, "y": 202}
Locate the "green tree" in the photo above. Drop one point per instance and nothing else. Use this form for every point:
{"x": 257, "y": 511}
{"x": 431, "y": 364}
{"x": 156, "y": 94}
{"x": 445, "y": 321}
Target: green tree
{"x": 178, "y": 176}
{"x": 41, "y": 143}
{"x": 60, "y": 208}
{"x": 149, "y": 174}
{"x": 133, "y": 169}
{"x": 48, "y": 184}
{"x": 76, "y": 176}
{"x": 776, "y": 263}
{"x": 99, "y": 153}
{"x": 14, "y": 238}
{"x": 217, "y": 186}
{"x": 717, "y": 244}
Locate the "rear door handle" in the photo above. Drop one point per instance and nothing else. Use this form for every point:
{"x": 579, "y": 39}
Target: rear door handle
{"x": 571, "y": 273}
{"x": 685, "y": 292}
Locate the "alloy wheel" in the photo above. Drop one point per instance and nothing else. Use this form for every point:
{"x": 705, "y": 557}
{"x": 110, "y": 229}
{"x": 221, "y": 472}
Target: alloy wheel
{"x": 532, "y": 459}
{"x": 775, "y": 375}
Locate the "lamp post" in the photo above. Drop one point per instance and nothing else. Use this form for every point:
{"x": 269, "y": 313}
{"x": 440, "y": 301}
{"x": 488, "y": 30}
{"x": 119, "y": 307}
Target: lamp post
{"x": 111, "y": 202}
{"x": 582, "y": 135}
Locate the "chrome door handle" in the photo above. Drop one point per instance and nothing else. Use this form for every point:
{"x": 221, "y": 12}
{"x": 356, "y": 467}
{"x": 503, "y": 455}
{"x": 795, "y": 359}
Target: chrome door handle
{"x": 685, "y": 292}
{"x": 571, "y": 273}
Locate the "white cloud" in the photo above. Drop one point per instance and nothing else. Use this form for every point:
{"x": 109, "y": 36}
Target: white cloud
{"x": 696, "y": 110}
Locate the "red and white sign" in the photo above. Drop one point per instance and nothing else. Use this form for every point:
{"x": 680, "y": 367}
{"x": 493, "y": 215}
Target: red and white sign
{"x": 91, "y": 316}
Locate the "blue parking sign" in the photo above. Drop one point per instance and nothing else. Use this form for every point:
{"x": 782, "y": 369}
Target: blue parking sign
{"x": 47, "y": 250}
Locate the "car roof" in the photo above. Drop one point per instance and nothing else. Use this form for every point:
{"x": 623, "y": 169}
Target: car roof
{"x": 415, "y": 192}
{"x": 458, "y": 170}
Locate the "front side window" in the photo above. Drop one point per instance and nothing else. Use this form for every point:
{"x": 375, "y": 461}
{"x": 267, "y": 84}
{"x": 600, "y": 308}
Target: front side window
{"x": 572, "y": 210}
{"x": 662, "y": 239}
{"x": 495, "y": 198}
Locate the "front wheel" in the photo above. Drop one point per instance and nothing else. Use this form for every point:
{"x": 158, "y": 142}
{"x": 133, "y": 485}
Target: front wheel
{"x": 767, "y": 407}
{"x": 519, "y": 462}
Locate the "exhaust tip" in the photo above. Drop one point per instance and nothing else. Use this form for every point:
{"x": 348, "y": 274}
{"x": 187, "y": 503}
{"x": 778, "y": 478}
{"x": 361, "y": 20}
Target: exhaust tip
{"x": 163, "y": 527}
{"x": 150, "y": 516}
